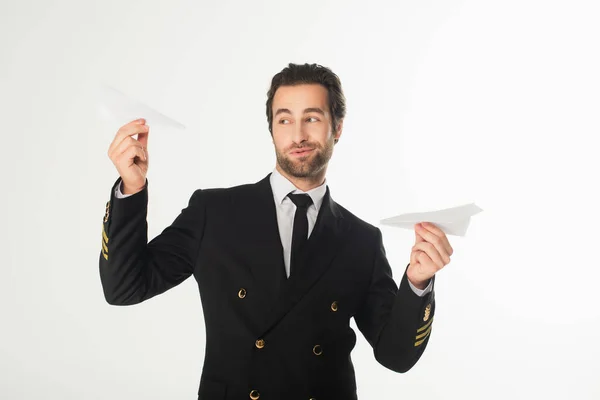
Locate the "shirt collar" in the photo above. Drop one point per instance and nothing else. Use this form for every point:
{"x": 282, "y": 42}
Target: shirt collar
{"x": 282, "y": 187}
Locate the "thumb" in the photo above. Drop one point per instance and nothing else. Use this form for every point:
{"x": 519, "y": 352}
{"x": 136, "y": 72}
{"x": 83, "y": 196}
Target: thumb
{"x": 143, "y": 138}
{"x": 413, "y": 257}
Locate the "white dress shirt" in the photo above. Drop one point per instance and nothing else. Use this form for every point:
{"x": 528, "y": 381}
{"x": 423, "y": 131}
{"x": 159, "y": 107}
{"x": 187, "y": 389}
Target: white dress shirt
{"x": 285, "y": 215}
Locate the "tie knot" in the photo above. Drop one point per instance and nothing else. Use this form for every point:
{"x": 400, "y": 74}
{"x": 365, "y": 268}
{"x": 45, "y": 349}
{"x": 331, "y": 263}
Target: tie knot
{"x": 301, "y": 200}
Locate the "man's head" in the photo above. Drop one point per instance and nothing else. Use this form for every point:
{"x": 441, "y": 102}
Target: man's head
{"x": 305, "y": 111}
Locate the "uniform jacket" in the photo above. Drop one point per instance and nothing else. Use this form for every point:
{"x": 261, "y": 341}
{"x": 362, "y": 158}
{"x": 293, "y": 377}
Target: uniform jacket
{"x": 269, "y": 337}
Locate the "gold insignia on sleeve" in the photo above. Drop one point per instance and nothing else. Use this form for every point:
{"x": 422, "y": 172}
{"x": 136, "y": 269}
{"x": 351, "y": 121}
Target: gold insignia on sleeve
{"x": 422, "y": 333}
{"x": 104, "y": 235}
{"x": 418, "y": 343}
{"x": 427, "y": 312}
{"x": 104, "y": 244}
{"x": 421, "y": 329}
{"x": 107, "y": 211}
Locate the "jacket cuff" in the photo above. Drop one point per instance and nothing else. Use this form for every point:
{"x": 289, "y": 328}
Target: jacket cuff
{"x": 128, "y": 206}
{"x": 425, "y": 307}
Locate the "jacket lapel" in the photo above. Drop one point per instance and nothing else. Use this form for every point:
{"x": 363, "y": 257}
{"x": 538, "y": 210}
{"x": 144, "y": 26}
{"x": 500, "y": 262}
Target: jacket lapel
{"x": 267, "y": 268}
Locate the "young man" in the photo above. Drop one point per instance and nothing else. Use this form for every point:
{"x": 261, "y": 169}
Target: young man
{"x": 280, "y": 266}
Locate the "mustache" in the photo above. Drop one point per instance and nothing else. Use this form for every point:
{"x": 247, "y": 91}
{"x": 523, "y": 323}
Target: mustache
{"x": 303, "y": 147}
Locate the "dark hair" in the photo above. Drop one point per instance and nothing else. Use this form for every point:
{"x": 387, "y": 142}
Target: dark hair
{"x": 297, "y": 74}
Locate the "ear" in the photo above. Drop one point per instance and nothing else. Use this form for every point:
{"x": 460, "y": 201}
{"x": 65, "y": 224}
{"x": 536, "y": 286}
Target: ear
{"x": 338, "y": 131}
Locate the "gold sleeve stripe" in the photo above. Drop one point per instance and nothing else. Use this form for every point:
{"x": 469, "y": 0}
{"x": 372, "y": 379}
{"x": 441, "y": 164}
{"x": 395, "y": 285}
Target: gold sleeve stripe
{"x": 422, "y": 340}
{"x": 425, "y": 326}
{"x": 423, "y": 334}
{"x": 104, "y": 235}
{"x": 105, "y": 255}
{"x": 104, "y": 247}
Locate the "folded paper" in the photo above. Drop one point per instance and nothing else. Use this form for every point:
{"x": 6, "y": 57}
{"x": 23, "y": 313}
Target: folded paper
{"x": 115, "y": 105}
{"x": 453, "y": 221}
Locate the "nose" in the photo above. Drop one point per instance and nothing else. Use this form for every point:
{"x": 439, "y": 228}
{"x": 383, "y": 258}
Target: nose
{"x": 299, "y": 134}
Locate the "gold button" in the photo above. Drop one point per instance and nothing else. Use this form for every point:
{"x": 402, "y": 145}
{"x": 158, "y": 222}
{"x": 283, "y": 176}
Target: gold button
{"x": 317, "y": 350}
{"x": 254, "y": 394}
{"x": 334, "y": 306}
{"x": 427, "y": 312}
{"x": 242, "y": 293}
{"x": 260, "y": 343}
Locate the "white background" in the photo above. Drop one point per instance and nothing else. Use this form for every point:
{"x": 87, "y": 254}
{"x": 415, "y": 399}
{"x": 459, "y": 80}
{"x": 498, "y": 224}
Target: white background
{"x": 449, "y": 102}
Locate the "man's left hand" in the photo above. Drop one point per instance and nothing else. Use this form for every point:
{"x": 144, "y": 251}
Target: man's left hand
{"x": 430, "y": 254}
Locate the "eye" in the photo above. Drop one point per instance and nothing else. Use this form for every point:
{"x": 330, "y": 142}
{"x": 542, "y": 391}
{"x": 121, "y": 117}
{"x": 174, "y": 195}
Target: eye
{"x": 309, "y": 118}
{"x": 282, "y": 121}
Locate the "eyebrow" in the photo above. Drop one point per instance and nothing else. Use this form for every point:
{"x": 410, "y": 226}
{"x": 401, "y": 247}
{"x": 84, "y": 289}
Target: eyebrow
{"x": 306, "y": 110}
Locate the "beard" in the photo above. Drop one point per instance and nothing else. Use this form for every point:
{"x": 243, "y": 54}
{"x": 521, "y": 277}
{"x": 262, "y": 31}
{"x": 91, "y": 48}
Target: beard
{"x": 306, "y": 166}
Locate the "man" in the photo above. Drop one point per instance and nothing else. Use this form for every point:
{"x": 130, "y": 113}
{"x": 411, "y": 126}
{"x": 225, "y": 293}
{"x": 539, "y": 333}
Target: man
{"x": 281, "y": 267}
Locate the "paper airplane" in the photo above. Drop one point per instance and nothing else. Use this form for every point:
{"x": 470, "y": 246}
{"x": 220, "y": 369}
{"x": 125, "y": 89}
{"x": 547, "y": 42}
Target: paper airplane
{"x": 122, "y": 109}
{"x": 453, "y": 221}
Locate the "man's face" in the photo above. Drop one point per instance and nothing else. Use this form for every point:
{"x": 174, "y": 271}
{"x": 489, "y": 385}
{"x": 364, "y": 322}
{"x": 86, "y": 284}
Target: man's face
{"x": 302, "y": 131}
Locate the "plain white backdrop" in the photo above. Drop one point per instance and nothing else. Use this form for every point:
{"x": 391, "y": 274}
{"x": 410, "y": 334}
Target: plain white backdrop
{"x": 449, "y": 102}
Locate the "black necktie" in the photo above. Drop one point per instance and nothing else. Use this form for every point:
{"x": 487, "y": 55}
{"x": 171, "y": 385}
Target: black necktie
{"x": 300, "y": 232}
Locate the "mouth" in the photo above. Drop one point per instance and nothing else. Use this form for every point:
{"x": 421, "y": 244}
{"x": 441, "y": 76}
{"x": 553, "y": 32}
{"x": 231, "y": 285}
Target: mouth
{"x": 301, "y": 152}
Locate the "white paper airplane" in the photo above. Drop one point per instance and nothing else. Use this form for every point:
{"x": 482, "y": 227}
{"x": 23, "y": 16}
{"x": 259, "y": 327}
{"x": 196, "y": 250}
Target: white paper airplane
{"x": 122, "y": 109}
{"x": 453, "y": 221}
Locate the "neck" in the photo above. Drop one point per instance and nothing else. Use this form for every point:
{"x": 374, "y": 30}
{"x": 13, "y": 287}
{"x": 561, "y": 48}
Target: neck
{"x": 305, "y": 184}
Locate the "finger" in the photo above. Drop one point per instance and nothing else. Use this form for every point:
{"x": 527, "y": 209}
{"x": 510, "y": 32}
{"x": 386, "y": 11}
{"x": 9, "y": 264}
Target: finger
{"x": 432, "y": 252}
{"x": 124, "y": 146}
{"x": 426, "y": 263}
{"x": 418, "y": 238}
{"x": 119, "y": 143}
{"x": 439, "y": 233}
{"x": 132, "y": 152}
{"x": 128, "y": 130}
{"x": 436, "y": 241}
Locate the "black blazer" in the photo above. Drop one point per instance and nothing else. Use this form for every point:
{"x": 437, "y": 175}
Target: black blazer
{"x": 269, "y": 337}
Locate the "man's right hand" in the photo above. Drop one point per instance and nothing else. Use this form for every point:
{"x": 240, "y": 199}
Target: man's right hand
{"x": 130, "y": 156}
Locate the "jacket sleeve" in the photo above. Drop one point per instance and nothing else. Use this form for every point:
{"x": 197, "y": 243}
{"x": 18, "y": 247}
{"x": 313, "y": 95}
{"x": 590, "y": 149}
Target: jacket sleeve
{"x": 133, "y": 270}
{"x": 395, "y": 320}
